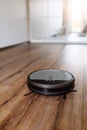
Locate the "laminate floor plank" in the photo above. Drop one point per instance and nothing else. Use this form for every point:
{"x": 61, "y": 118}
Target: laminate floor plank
{"x": 38, "y": 112}
{"x": 7, "y": 57}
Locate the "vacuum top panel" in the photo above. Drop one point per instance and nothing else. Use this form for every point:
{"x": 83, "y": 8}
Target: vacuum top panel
{"x": 51, "y": 75}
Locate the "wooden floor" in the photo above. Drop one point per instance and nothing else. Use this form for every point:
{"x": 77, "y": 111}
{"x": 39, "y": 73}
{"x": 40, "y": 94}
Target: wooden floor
{"x": 38, "y": 112}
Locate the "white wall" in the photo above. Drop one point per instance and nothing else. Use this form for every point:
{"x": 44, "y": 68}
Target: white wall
{"x": 45, "y": 17}
{"x": 13, "y": 22}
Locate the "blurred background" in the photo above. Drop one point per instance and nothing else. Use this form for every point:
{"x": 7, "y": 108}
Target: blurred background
{"x": 58, "y": 20}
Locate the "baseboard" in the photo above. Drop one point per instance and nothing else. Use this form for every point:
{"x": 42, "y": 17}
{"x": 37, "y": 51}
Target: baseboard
{"x": 14, "y": 45}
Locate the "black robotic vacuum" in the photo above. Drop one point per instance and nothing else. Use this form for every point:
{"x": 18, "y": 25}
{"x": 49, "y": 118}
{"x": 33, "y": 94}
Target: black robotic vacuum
{"x": 51, "y": 82}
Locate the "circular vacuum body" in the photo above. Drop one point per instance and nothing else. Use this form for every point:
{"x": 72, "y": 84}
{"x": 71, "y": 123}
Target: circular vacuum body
{"x": 51, "y": 82}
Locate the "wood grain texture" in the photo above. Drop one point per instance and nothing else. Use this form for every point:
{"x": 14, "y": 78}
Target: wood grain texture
{"x": 34, "y": 111}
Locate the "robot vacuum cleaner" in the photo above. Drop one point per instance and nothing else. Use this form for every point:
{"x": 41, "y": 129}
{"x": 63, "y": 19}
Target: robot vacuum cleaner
{"x": 51, "y": 82}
